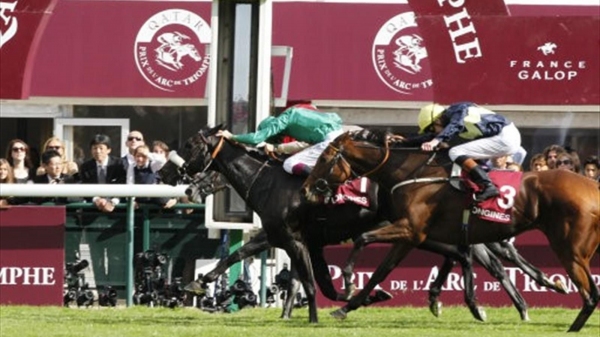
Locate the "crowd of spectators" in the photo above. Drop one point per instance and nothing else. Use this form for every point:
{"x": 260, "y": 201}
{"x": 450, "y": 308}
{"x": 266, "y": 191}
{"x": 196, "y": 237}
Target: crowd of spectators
{"x": 138, "y": 166}
{"x": 142, "y": 162}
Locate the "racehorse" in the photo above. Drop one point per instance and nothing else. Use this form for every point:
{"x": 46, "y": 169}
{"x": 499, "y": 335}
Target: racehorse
{"x": 563, "y": 205}
{"x": 288, "y": 223}
{"x": 487, "y": 254}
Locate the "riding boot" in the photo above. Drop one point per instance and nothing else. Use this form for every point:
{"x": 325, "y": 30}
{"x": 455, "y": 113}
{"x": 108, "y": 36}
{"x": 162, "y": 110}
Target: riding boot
{"x": 481, "y": 178}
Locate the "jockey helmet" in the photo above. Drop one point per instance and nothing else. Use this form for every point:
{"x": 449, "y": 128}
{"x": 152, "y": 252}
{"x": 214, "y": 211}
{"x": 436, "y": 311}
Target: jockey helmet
{"x": 428, "y": 115}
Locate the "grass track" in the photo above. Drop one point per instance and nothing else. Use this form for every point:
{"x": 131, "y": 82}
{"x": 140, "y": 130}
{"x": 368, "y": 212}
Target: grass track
{"x": 20, "y": 321}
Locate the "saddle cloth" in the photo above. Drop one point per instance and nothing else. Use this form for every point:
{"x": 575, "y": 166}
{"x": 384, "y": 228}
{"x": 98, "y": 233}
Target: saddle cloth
{"x": 497, "y": 209}
{"x": 354, "y": 191}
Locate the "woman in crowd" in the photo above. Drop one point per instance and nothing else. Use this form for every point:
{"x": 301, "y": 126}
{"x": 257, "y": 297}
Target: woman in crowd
{"x": 6, "y": 177}
{"x": 564, "y": 161}
{"x": 56, "y": 144}
{"x": 160, "y": 147}
{"x": 17, "y": 154}
{"x": 538, "y": 163}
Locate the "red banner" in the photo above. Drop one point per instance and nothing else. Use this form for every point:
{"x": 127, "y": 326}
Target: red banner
{"x": 510, "y": 60}
{"x": 410, "y": 281}
{"x": 32, "y": 255}
{"x": 22, "y": 23}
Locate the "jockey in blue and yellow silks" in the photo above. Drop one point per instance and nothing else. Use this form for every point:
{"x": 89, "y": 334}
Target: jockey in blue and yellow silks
{"x": 313, "y": 131}
{"x": 488, "y": 135}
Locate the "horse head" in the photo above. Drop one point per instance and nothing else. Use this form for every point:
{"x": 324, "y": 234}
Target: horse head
{"x": 205, "y": 184}
{"x": 347, "y": 157}
{"x": 193, "y": 157}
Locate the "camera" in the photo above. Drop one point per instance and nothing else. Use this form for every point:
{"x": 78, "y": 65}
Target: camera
{"x": 107, "y": 297}
{"x": 76, "y": 289}
{"x": 152, "y": 287}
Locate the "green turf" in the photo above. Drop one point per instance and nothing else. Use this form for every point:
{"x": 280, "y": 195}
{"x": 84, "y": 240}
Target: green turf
{"x": 20, "y": 321}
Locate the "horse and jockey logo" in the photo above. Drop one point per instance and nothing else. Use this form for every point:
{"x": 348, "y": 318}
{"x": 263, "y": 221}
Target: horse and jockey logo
{"x": 172, "y": 50}
{"x": 398, "y": 54}
{"x": 168, "y": 46}
{"x": 547, "y": 48}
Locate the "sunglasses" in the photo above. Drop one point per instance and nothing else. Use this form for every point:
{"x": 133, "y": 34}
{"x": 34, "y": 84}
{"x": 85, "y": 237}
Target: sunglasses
{"x": 53, "y": 147}
{"x": 563, "y": 162}
{"x": 139, "y": 139}
{"x": 18, "y": 149}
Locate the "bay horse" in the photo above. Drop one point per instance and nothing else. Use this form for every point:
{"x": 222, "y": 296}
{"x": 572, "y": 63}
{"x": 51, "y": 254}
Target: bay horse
{"x": 563, "y": 205}
{"x": 290, "y": 224}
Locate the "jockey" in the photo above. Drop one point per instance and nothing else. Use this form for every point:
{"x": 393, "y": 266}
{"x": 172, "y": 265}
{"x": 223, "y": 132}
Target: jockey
{"x": 313, "y": 131}
{"x": 488, "y": 135}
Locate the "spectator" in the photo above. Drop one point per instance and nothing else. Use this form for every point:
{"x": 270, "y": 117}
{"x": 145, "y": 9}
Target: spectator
{"x": 160, "y": 147}
{"x": 551, "y": 153}
{"x": 591, "y": 168}
{"x": 52, "y": 162}
{"x": 499, "y": 162}
{"x": 17, "y": 154}
{"x": 68, "y": 167}
{"x": 514, "y": 167}
{"x": 575, "y": 158}
{"x": 134, "y": 139}
{"x": 145, "y": 172}
{"x": 564, "y": 162}
{"x": 538, "y": 163}
{"x": 102, "y": 169}
{"x": 6, "y": 177}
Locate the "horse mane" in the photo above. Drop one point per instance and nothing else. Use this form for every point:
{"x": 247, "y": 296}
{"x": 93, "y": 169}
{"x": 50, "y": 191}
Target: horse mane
{"x": 375, "y": 136}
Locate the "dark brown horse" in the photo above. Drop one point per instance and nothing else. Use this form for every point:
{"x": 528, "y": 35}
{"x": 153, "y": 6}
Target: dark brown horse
{"x": 563, "y": 205}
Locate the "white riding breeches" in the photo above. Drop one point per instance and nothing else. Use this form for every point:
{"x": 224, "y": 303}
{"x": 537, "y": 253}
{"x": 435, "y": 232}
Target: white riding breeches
{"x": 505, "y": 143}
{"x": 310, "y": 155}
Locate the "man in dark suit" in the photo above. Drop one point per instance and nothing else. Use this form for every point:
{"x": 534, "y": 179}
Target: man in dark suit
{"x": 102, "y": 169}
{"x": 53, "y": 164}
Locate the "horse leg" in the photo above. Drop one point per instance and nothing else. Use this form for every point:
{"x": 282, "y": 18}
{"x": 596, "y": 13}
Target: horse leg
{"x": 398, "y": 251}
{"x": 322, "y": 275}
{"x": 577, "y": 265}
{"x": 255, "y": 245}
{"x": 359, "y": 244}
{"x": 452, "y": 253}
{"x": 300, "y": 259}
{"x": 290, "y": 294}
{"x": 508, "y": 252}
{"x": 435, "y": 289}
{"x": 492, "y": 264}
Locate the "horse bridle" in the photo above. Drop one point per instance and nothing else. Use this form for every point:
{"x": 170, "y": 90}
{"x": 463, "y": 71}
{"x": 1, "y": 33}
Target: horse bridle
{"x": 321, "y": 184}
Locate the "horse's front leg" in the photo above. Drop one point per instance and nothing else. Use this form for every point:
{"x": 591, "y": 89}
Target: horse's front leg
{"x": 290, "y": 294}
{"x": 359, "y": 244}
{"x": 300, "y": 259}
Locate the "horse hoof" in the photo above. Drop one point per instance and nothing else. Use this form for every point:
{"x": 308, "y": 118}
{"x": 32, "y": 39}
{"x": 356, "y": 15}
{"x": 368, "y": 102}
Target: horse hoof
{"x": 435, "y": 308}
{"x": 525, "y": 316}
{"x": 195, "y": 288}
{"x": 481, "y": 315}
{"x": 560, "y": 287}
{"x": 339, "y": 314}
{"x": 382, "y": 295}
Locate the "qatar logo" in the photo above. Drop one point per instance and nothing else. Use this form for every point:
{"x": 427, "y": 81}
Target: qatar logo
{"x": 398, "y": 55}
{"x": 8, "y": 22}
{"x": 171, "y": 49}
